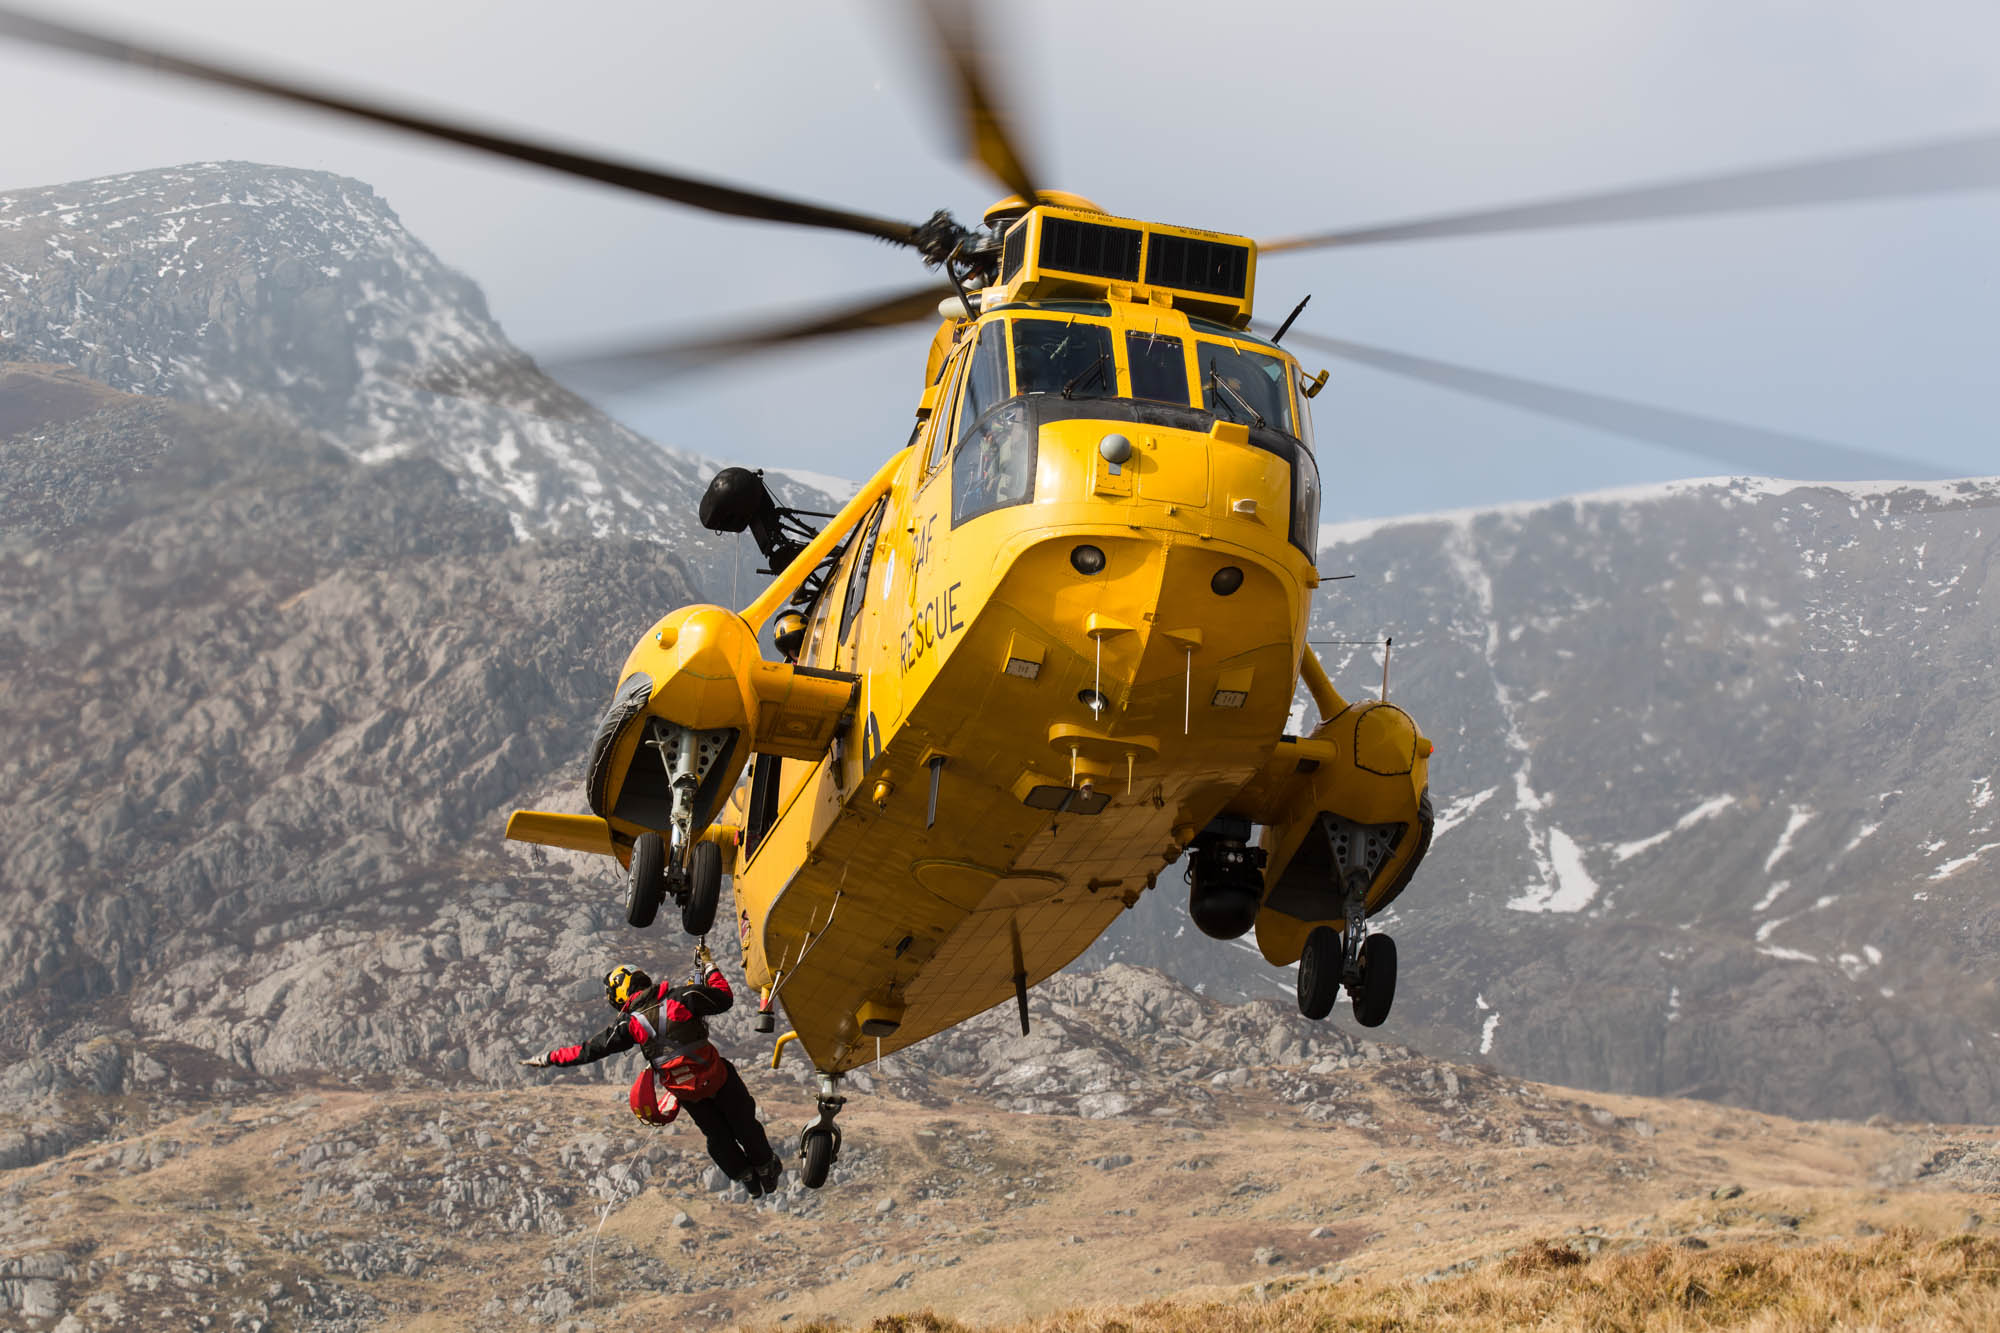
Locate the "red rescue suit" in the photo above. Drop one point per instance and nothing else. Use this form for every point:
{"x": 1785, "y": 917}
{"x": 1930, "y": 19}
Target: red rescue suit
{"x": 683, "y": 1069}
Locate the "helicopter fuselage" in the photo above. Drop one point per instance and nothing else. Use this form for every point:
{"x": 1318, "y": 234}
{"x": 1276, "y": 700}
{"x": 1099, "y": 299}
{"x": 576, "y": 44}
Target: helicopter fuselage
{"x": 981, "y": 648}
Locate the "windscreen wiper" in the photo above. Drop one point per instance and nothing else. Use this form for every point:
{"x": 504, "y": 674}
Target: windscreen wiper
{"x": 1222, "y": 386}
{"x": 1094, "y": 368}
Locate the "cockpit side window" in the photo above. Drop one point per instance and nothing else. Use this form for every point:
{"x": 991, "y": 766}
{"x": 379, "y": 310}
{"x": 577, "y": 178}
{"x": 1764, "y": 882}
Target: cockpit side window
{"x": 857, "y": 571}
{"x": 995, "y": 463}
{"x": 1305, "y": 416}
{"x": 986, "y": 380}
{"x": 1242, "y": 385}
{"x": 1067, "y": 357}
{"x": 1158, "y": 366}
{"x": 816, "y": 618}
{"x": 941, "y": 420}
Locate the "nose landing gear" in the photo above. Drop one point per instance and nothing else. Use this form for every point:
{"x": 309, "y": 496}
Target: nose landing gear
{"x": 819, "y": 1145}
{"x": 690, "y": 872}
{"x": 697, "y": 888}
{"x": 1365, "y": 964}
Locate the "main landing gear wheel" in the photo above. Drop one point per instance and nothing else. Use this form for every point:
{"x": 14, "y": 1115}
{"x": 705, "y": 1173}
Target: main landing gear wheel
{"x": 647, "y": 885}
{"x": 819, "y": 1145}
{"x": 704, "y": 889}
{"x": 818, "y": 1150}
{"x": 1320, "y": 966}
{"x": 1374, "y": 987}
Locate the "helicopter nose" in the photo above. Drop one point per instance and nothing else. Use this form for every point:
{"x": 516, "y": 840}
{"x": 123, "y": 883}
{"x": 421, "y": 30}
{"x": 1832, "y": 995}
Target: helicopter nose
{"x": 701, "y": 658}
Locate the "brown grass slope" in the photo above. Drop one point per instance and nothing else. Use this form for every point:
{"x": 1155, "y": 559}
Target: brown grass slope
{"x": 424, "y": 1210}
{"x": 1905, "y": 1279}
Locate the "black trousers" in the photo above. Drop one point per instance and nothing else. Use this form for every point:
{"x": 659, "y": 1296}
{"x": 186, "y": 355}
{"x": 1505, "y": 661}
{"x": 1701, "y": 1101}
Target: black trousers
{"x": 728, "y": 1120}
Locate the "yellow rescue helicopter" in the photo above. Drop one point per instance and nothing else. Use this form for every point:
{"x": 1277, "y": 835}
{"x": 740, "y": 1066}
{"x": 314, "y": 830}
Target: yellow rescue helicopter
{"x": 1050, "y": 648}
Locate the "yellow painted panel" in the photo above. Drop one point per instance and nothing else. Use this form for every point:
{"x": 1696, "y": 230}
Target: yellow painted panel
{"x": 796, "y": 713}
{"x": 1171, "y": 469}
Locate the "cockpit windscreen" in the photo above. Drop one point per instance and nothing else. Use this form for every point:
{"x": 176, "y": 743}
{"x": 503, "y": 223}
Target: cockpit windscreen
{"x": 1066, "y": 357}
{"x": 1159, "y": 367}
{"x": 1242, "y": 385}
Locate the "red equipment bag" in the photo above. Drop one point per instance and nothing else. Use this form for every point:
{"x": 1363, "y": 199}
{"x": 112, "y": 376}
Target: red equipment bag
{"x": 646, "y": 1101}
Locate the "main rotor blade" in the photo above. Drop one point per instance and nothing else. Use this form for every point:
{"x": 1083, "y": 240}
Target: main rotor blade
{"x": 1928, "y": 168}
{"x": 690, "y": 190}
{"x": 989, "y": 131}
{"x": 625, "y": 366}
{"x": 614, "y": 369}
{"x": 1766, "y": 452}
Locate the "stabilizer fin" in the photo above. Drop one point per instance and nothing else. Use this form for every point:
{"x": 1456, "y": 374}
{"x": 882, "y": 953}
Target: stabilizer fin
{"x": 576, "y": 833}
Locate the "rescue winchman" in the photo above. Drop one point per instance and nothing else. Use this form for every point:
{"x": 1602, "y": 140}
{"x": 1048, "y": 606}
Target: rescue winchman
{"x": 683, "y": 1068}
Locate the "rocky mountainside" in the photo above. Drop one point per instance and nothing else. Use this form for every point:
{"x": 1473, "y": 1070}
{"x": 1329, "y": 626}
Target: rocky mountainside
{"x": 265, "y": 709}
{"x": 1715, "y": 778}
{"x": 300, "y": 295}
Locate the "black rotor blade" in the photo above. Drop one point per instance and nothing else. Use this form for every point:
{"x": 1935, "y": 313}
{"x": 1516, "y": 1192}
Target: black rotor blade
{"x": 990, "y": 133}
{"x": 633, "y": 365}
{"x": 690, "y": 190}
{"x": 1766, "y": 452}
{"x": 1928, "y": 168}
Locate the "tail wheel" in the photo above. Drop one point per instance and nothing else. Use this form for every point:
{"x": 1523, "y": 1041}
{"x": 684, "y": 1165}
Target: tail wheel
{"x": 704, "y": 888}
{"x": 1320, "y": 966}
{"x": 1375, "y": 989}
{"x": 647, "y": 884}
{"x": 818, "y": 1158}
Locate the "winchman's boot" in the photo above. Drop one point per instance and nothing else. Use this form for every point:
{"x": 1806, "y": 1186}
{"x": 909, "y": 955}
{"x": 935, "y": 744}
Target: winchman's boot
{"x": 752, "y": 1182}
{"x": 769, "y": 1172}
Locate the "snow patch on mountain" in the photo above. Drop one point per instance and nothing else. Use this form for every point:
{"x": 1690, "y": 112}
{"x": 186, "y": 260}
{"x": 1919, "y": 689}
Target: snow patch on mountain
{"x": 1770, "y": 896}
{"x": 1725, "y": 491}
{"x": 1958, "y": 863}
{"x": 1860, "y": 836}
{"x": 1568, "y": 886}
{"x": 300, "y": 295}
{"x": 1460, "y": 810}
{"x": 1798, "y": 820}
{"x": 1713, "y": 806}
{"x": 839, "y": 488}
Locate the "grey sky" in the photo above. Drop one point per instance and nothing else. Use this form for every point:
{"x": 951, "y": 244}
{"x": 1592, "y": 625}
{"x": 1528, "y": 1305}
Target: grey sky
{"x": 1872, "y": 324}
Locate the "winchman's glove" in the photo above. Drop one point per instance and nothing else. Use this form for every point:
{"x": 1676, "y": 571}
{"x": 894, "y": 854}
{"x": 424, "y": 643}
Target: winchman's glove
{"x": 536, "y": 1061}
{"x": 703, "y": 958}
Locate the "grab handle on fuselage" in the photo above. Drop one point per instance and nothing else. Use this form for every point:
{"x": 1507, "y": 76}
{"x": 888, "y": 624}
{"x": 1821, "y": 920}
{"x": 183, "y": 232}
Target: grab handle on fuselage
{"x": 806, "y": 561}
{"x": 779, "y": 1050}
